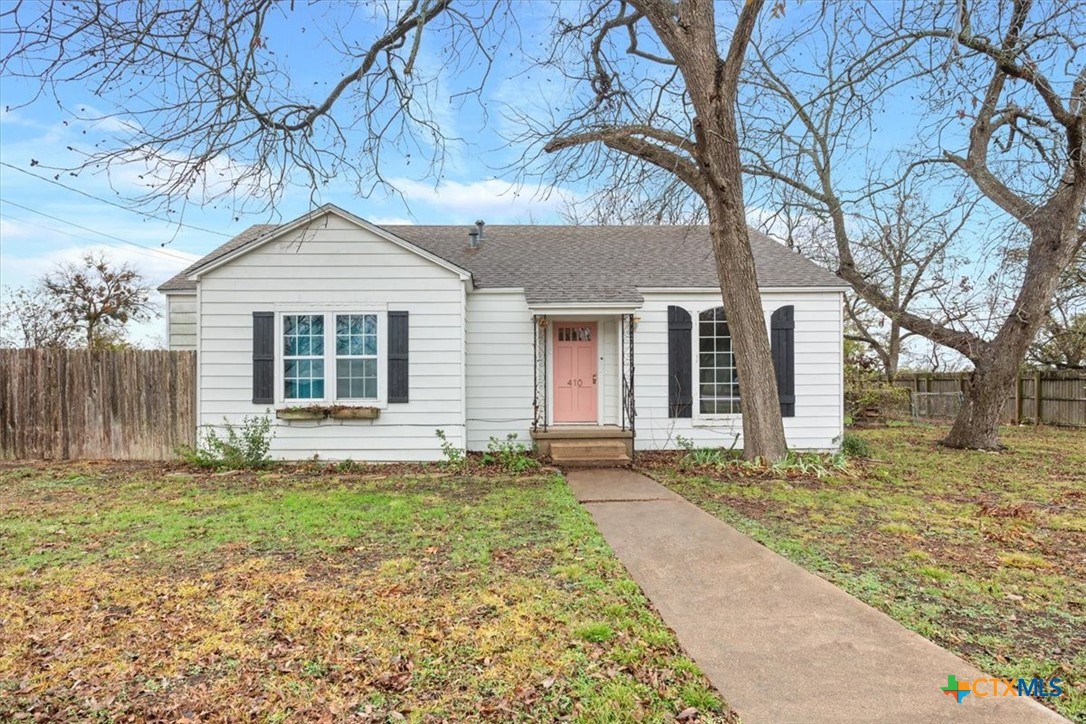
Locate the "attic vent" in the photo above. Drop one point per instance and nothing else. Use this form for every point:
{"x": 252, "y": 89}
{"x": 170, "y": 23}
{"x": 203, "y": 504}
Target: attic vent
{"x": 475, "y": 236}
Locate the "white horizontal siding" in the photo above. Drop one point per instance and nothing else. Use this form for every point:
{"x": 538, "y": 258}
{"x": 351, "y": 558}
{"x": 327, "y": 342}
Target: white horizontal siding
{"x": 819, "y": 358}
{"x": 500, "y": 367}
{"x": 181, "y": 322}
{"x": 338, "y": 267}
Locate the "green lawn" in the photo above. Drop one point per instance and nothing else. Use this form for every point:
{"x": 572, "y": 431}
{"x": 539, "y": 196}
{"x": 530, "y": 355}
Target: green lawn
{"x": 297, "y": 594}
{"x": 983, "y": 553}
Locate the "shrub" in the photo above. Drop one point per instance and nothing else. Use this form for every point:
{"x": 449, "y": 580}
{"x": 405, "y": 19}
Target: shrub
{"x": 244, "y": 447}
{"x": 509, "y": 454}
{"x": 454, "y": 456}
{"x": 877, "y": 400}
{"x": 854, "y": 446}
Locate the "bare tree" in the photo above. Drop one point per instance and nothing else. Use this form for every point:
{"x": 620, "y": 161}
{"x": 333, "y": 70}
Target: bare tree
{"x": 907, "y": 249}
{"x": 206, "y": 94}
{"x": 1005, "y": 87}
{"x": 97, "y": 299}
{"x": 210, "y": 103}
{"x": 31, "y": 318}
{"x": 654, "y": 102}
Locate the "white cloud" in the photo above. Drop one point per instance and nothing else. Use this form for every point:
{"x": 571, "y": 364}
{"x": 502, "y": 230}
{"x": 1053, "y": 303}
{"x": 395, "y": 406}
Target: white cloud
{"x": 493, "y": 200}
{"x": 391, "y": 221}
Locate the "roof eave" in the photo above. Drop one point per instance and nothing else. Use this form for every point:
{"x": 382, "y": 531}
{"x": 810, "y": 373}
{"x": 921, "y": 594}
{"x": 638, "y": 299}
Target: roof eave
{"x": 306, "y": 219}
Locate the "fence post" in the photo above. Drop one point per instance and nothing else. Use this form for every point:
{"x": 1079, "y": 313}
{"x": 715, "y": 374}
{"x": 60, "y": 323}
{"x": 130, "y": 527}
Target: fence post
{"x": 1037, "y": 396}
{"x": 1018, "y": 399}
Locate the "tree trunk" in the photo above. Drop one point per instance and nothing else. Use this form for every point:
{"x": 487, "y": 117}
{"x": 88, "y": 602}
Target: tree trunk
{"x": 1055, "y": 241}
{"x": 893, "y": 352}
{"x": 689, "y": 31}
{"x": 763, "y": 428}
{"x": 977, "y": 425}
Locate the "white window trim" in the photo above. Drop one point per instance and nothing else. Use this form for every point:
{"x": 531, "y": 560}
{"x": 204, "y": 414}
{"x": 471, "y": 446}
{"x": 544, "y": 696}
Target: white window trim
{"x": 699, "y": 418}
{"x": 329, "y": 313}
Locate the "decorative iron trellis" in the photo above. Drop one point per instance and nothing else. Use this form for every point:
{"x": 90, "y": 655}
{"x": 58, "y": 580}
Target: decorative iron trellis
{"x": 626, "y": 351}
{"x": 539, "y": 381}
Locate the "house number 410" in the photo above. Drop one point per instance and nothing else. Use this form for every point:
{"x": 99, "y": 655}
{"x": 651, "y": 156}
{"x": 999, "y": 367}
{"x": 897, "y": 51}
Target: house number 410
{"x": 575, "y": 383}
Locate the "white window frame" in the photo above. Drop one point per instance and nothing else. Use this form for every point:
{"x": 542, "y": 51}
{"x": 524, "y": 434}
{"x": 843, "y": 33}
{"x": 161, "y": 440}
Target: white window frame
{"x": 376, "y": 357}
{"x": 330, "y": 392}
{"x": 696, "y": 358}
{"x": 282, "y": 357}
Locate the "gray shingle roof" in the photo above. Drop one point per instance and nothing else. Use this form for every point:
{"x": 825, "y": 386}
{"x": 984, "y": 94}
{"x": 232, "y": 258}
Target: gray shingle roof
{"x": 583, "y": 264}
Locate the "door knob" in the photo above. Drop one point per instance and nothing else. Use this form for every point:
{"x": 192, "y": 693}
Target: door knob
{"x": 593, "y": 379}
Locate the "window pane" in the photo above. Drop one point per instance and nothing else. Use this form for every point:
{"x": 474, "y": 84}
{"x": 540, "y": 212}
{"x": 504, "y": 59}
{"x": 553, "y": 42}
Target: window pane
{"x": 356, "y": 378}
{"x": 356, "y": 337}
{"x": 718, "y": 386}
{"x": 303, "y": 340}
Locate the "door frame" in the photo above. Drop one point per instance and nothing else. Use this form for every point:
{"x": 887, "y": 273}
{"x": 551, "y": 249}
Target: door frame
{"x": 551, "y": 326}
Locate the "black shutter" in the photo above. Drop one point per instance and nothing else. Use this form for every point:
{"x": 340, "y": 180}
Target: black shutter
{"x": 263, "y": 358}
{"x": 782, "y": 327}
{"x": 679, "y": 388}
{"x": 397, "y": 357}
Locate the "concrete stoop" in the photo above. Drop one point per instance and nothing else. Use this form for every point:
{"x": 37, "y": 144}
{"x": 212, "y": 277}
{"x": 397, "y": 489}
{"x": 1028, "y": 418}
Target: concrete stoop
{"x": 589, "y": 453}
{"x": 586, "y": 446}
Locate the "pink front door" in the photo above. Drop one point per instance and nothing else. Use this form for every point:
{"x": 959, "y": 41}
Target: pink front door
{"x": 575, "y": 372}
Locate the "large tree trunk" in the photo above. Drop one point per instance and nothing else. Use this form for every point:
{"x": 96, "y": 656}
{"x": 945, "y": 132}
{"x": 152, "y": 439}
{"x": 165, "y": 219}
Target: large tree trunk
{"x": 763, "y": 428}
{"x": 977, "y": 425}
{"x": 719, "y": 160}
{"x": 1056, "y": 240}
{"x": 689, "y": 31}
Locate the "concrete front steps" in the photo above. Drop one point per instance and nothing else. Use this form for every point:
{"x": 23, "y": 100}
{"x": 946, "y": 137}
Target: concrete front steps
{"x": 589, "y": 453}
{"x": 586, "y": 446}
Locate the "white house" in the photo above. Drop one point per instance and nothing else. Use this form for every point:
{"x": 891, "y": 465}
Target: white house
{"x": 593, "y": 341}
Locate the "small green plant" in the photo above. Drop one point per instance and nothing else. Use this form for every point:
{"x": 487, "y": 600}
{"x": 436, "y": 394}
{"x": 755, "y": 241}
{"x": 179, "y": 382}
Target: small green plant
{"x": 854, "y": 446}
{"x": 509, "y": 454}
{"x": 454, "y": 456}
{"x": 595, "y": 633}
{"x": 243, "y": 447}
{"x": 705, "y": 456}
{"x": 346, "y": 466}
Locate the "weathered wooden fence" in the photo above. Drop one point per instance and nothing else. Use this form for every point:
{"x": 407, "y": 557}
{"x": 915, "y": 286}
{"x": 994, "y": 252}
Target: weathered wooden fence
{"x": 77, "y": 404}
{"x": 1049, "y": 397}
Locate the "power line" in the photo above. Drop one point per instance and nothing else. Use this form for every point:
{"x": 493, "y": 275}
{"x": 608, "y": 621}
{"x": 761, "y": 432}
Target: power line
{"x": 173, "y": 255}
{"x": 142, "y": 250}
{"x": 113, "y": 203}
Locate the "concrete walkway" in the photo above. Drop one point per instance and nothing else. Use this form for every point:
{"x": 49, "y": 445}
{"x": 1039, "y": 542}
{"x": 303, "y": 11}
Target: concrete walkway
{"x": 781, "y": 644}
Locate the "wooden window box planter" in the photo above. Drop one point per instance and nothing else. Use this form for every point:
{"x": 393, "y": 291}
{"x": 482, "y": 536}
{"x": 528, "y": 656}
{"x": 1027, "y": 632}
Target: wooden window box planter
{"x": 343, "y": 412}
{"x": 354, "y": 413}
{"x": 302, "y": 413}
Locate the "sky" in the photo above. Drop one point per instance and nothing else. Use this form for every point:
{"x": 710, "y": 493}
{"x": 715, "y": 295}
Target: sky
{"x": 50, "y": 216}
{"x": 46, "y": 220}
